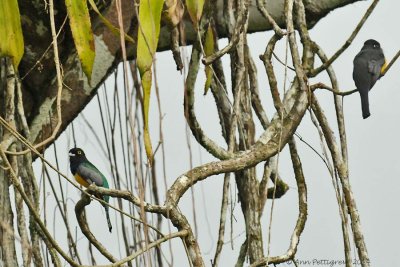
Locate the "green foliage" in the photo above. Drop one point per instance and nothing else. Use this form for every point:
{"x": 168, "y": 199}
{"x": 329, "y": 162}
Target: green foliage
{"x": 149, "y": 30}
{"x": 79, "y": 21}
{"x": 11, "y": 38}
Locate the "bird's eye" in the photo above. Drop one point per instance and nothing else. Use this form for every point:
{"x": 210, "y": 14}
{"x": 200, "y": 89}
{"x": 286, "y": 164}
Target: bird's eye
{"x": 79, "y": 152}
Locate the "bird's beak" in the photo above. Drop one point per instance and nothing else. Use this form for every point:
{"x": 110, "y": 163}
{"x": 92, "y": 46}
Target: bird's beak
{"x": 71, "y": 155}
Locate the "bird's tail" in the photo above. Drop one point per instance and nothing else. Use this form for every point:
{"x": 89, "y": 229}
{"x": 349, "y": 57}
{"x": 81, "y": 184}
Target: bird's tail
{"x": 108, "y": 218}
{"x": 364, "y": 104}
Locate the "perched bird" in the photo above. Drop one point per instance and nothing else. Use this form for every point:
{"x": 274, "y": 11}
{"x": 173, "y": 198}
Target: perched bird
{"x": 369, "y": 64}
{"x": 86, "y": 173}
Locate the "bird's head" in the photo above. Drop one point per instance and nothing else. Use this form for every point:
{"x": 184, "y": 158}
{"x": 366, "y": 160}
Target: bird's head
{"x": 372, "y": 44}
{"x": 76, "y": 153}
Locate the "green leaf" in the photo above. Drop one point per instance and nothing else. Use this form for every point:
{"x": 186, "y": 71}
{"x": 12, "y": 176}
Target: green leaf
{"x": 148, "y": 33}
{"x": 79, "y": 22}
{"x": 11, "y": 38}
{"x": 209, "y": 47}
{"x": 195, "y": 9}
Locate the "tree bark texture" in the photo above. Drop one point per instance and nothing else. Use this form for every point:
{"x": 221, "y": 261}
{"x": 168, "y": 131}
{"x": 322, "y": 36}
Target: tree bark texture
{"x": 7, "y": 240}
{"x": 8, "y": 255}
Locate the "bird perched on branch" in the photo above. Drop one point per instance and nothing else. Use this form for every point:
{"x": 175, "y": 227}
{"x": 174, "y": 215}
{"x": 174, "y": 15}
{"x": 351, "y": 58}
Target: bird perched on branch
{"x": 369, "y": 65}
{"x": 86, "y": 173}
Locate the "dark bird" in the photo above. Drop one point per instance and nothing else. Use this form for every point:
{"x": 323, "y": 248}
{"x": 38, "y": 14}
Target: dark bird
{"x": 86, "y": 173}
{"x": 369, "y": 65}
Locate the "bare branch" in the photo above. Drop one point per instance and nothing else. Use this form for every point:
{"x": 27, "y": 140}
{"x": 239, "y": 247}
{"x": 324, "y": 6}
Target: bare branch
{"x": 391, "y": 63}
{"x": 334, "y": 91}
{"x": 342, "y": 206}
{"x": 265, "y": 147}
{"x": 17, "y": 185}
{"x": 195, "y": 127}
{"x": 343, "y": 175}
{"x": 175, "y": 48}
{"x": 151, "y": 245}
{"x": 273, "y": 84}
{"x": 240, "y": 22}
{"x": 302, "y": 217}
{"x": 81, "y": 218}
{"x": 222, "y": 220}
{"x": 262, "y": 8}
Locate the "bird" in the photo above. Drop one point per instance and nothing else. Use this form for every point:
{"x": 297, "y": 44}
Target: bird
{"x": 369, "y": 65}
{"x": 86, "y": 173}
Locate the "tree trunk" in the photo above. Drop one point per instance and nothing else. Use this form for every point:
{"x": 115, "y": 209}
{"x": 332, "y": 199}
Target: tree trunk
{"x": 8, "y": 255}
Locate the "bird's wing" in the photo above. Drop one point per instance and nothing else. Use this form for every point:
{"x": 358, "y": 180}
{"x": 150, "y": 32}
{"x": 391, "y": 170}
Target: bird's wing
{"x": 375, "y": 62}
{"x": 90, "y": 173}
{"x": 360, "y": 72}
{"x": 374, "y": 67}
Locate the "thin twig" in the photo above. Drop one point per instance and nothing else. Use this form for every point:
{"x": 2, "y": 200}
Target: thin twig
{"x": 176, "y": 53}
{"x": 321, "y": 85}
{"x": 117, "y": 193}
{"x": 46, "y": 51}
{"x": 194, "y": 125}
{"x": 231, "y": 146}
{"x": 71, "y": 243}
{"x": 222, "y": 220}
{"x": 240, "y": 22}
{"x": 33, "y": 211}
{"x": 300, "y": 73}
{"x": 344, "y": 179}
{"x": 59, "y": 80}
{"x": 391, "y": 63}
{"x": 280, "y": 110}
{"x": 338, "y": 107}
{"x": 342, "y": 206}
{"x": 273, "y": 83}
{"x": 316, "y": 71}
{"x": 262, "y": 8}
{"x": 81, "y": 218}
{"x": 302, "y": 217}
{"x": 151, "y": 245}
{"x": 282, "y": 63}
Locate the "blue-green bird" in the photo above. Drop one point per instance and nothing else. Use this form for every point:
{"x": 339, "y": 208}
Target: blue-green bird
{"x": 86, "y": 173}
